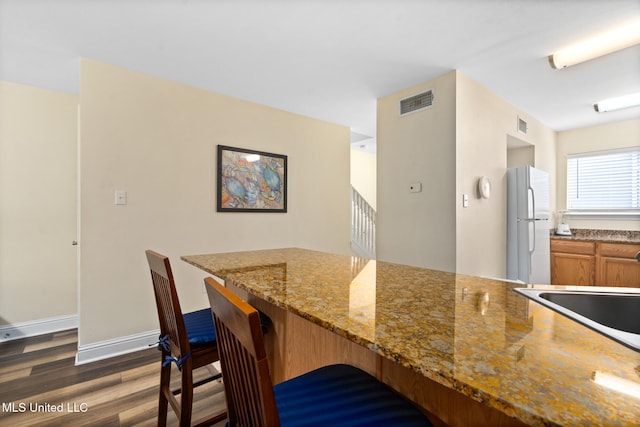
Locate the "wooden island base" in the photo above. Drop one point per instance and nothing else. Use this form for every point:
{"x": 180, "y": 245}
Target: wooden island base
{"x": 296, "y": 346}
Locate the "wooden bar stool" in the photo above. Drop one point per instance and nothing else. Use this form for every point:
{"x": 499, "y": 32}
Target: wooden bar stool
{"x": 335, "y": 395}
{"x": 187, "y": 340}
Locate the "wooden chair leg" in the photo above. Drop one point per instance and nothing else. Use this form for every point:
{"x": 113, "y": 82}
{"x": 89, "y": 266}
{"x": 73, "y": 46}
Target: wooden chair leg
{"x": 165, "y": 379}
{"x": 186, "y": 395}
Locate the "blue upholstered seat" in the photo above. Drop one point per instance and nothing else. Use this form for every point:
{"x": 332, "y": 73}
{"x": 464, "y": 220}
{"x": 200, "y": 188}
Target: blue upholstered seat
{"x": 200, "y": 329}
{"x": 342, "y": 395}
{"x": 199, "y": 326}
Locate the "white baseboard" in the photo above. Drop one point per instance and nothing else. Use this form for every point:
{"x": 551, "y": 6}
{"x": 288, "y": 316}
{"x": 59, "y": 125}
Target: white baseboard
{"x": 116, "y": 347}
{"x": 32, "y": 328}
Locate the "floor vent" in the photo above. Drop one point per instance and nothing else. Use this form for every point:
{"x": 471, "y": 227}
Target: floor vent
{"x": 522, "y": 126}
{"x": 416, "y": 102}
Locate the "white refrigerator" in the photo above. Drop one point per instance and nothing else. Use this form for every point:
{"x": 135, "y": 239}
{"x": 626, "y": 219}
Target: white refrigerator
{"x": 528, "y": 225}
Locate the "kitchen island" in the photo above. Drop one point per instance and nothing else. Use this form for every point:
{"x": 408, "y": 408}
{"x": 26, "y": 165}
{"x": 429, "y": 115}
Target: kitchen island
{"x": 467, "y": 349}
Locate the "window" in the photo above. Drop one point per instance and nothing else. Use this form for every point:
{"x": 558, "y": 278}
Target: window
{"x": 606, "y": 181}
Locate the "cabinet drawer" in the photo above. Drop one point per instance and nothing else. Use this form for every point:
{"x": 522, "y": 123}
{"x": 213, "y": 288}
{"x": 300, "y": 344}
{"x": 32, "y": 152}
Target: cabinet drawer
{"x": 573, "y": 247}
{"x": 619, "y": 250}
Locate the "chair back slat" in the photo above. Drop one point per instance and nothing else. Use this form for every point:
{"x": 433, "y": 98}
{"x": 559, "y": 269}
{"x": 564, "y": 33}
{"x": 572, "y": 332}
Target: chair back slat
{"x": 168, "y": 305}
{"x": 245, "y": 369}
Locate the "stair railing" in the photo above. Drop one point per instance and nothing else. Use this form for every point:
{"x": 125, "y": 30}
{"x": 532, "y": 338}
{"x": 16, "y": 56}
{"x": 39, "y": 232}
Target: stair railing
{"x": 363, "y": 226}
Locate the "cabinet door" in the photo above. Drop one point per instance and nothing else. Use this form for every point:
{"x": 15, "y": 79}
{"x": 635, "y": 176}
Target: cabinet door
{"x": 618, "y": 272}
{"x": 572, "y": 269}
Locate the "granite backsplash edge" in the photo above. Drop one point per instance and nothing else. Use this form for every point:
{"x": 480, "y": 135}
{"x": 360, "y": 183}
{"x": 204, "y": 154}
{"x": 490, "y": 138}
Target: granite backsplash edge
{"x": 622, "y": 236}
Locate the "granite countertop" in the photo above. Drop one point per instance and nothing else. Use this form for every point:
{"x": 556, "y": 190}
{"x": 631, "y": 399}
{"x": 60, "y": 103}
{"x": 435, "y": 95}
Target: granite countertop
{"x": 615, "y": 236}
{"x": 508, "y": 353}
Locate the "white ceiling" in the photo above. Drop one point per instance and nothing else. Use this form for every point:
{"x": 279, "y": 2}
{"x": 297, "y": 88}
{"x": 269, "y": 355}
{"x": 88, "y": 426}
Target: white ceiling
{"x": 331, "y": 59}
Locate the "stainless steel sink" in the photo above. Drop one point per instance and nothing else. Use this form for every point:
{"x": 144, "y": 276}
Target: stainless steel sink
{"x": 613, "y": 313}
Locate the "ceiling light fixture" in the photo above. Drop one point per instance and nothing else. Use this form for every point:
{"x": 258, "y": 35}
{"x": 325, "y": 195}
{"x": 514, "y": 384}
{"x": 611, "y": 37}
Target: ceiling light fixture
{"x": 595, "y": 47}
{"x": 618, "y": 103}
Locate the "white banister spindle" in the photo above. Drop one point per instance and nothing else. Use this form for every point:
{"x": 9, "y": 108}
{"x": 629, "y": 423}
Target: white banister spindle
{"x": 363, "y": 225}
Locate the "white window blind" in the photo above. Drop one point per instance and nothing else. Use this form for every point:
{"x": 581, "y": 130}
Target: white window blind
{"x": 604, "y": 181}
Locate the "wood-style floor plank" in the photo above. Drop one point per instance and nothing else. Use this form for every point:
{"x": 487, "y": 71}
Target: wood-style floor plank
{"x": 58, "y": 341}
{"x": 38, "y": 376}
{"x": 22, "y": 360}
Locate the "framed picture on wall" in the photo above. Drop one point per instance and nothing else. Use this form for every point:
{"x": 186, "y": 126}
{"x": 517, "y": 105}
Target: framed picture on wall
{"x": 251, "y": 181}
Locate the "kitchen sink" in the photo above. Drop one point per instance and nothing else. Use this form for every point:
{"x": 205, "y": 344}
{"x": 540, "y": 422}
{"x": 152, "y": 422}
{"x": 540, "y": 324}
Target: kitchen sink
{"x": 613, "y": 313}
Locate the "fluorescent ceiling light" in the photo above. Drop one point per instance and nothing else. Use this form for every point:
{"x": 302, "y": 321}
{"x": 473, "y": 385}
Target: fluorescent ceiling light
{"x": 603, "y": 44}
{"x": 618, "y": 103}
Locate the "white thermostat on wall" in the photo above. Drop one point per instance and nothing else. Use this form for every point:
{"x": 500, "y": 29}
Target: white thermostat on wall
{"x": 484, "y": 187}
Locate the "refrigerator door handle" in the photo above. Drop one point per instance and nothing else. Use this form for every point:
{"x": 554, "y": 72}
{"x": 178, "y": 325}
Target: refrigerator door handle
{"x": 532, "y": 242}
{"x": 532, "y": 224}
{"x": 533, "y": 203}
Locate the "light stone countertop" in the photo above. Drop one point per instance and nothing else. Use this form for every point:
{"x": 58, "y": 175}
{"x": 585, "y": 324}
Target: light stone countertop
{"x": 613, "y": 236}
{"x": 510, "y": 354}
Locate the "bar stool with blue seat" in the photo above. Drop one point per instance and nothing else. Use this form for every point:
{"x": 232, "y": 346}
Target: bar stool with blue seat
{"x": 335, "y": 395}
{"x": 186, "y": 340}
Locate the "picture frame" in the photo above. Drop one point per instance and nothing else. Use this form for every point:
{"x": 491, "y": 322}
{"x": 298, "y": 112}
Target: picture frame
{"x": 250, "y": 181}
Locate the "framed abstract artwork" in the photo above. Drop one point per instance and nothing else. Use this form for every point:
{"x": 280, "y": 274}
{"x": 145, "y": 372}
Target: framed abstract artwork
{"x": 251, "y": 181}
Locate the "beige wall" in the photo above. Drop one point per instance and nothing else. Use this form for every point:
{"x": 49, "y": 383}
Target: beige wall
{"x": 596, "y": 138}
{"x": 448, "y": 148}
{"x": 157, "y": 140}
{"x": 363, "y": 175}
{"x": 484, "y": 124}
{"x": 37, "y": 203}
{"x": 418, "y": 228}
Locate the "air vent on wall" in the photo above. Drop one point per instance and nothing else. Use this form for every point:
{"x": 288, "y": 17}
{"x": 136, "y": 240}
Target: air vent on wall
{"x": 416, "y": 102}
{"x": 522, "y": 126}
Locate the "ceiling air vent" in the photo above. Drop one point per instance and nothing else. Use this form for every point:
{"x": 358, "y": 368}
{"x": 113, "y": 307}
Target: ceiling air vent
{"x": 522, "y": 126}
{"x": 416, "y": 102}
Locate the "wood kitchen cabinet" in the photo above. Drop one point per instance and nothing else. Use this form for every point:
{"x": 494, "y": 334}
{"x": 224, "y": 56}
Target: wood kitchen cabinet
{"x": 573, "y": 262}
{"x": 618, "y": 265}
{"x": 588, "y": 263}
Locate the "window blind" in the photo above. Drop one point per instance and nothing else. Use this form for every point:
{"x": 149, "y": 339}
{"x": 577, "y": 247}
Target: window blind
{"x": 604, "y": 181}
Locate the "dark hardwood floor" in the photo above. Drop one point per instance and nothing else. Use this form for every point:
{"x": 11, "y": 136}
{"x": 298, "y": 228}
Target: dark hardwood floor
{"x": 41, "y": 386}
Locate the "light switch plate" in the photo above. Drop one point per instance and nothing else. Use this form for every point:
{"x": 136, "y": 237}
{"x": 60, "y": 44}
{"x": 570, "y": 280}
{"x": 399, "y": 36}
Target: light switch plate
{"x": 465, "y": 200}
{"x": 121, "y": 197}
